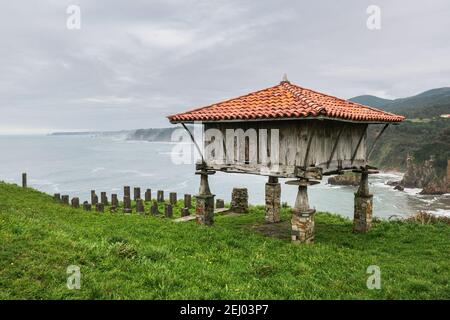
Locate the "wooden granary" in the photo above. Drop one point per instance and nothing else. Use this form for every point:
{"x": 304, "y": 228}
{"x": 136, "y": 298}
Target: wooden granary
{"x": 287, "y": 131}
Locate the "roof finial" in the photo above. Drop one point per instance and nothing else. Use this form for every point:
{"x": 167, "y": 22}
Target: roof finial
{"x": 285, "y": 79}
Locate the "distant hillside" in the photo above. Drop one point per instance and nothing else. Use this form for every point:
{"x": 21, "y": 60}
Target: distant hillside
{"x": 154, "y": 134}
{"x": 431, "y": 103}
{"x": 423, "y": 134}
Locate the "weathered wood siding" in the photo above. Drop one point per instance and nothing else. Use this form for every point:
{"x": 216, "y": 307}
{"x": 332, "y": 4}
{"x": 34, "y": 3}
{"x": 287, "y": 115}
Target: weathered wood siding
{"x": 294, "y": 136}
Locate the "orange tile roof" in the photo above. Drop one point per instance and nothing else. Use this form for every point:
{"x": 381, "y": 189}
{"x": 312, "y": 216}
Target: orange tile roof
{"x": 285, "y": 101}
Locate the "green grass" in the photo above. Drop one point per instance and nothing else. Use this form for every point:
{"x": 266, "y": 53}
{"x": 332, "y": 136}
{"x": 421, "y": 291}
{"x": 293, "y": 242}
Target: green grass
{"x": 145, "y": 257}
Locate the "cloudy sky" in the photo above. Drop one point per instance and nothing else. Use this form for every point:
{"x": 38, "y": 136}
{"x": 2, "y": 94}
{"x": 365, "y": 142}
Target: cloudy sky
{"x": 134, "y": 62}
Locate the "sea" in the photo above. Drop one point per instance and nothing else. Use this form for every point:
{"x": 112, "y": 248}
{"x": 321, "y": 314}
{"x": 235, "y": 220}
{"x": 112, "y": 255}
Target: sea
{"x": 77, "y": 164}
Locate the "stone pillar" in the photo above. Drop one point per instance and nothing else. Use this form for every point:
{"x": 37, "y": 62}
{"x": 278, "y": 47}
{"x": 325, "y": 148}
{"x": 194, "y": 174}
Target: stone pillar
{"x": 185, "y": 212}
{"x": 65, "y": 199}
{"x": 273, "y": 202}
{"x": 204, "y": 209}
{"x": 239, "y": 200}
{"x": 57, "y": 197}
{"x": 187, "y": 201}
{"x": 362, "y": 219}
{"x": 148, "y": 195}
{"x": 140, "y": 206}
{"x": 169, "y": 210}
{"x": 173, "y": 198}
{"x": 126, "y": 204}
{"x": 24, "y": 180}
{"x": 103, "y": 198}
{"x": 114, "y": 200}
{"x": 220, "y": 204}
{"x": 75, "y": 203}
{"x": 160, "y": 196}
{"x": 302, "y": 221}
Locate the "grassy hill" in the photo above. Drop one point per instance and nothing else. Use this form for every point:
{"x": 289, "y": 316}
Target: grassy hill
{"x": 422, "y": 134}
{"x": 240, "y": 257}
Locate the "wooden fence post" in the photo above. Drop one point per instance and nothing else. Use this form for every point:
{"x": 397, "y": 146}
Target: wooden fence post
{"x": 24, "y": 180}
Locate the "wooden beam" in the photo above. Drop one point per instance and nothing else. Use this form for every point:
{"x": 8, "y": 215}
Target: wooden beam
{"x": 334, "y": 147}
{"x": 308, "y": 147}
{"x": 376, "y": 139}
{"x": 359, "y": 143}
{"x": 195, "y": 143}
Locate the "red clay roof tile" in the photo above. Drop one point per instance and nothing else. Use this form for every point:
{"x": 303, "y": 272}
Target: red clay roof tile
{"x": 285, "y": 101}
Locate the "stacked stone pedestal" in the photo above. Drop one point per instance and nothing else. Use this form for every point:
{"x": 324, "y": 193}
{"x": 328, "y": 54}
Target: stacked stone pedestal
{"x": 302, "y": 221}
{"x": 239, "y": 200}
{"x": 205, "y": 209}
{"x": 362, "y": 215}
{"x": 273, "y": 202}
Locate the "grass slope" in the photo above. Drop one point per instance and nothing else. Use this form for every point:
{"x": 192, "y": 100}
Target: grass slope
{"x": 143, "y": 257}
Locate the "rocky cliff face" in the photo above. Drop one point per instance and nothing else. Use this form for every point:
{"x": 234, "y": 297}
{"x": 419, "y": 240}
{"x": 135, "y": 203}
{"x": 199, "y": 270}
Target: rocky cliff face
{"x": 345, "y": 180}
{"x": 424, "y": 176}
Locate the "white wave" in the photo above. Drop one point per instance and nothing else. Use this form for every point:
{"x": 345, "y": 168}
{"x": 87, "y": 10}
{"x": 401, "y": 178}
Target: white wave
{"x": 440, "y": 212}
{"x": 138, "y": 173}
{"x": 97, "y": 169}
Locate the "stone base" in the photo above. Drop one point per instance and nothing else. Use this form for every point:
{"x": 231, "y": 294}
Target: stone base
{"x": 302, "y": 224}
{"x": 239, "y": 200}
{"x": 205, "y": 209}
{"x": 362, "y": 220}
{"x": 273, "y": 202}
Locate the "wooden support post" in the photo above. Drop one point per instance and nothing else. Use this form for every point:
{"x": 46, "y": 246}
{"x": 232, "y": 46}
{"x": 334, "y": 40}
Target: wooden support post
{"x": 75, "y": 202}
{"x": 187, "y": 201}
{"x": 99, "y": 207}
{"x": 154, "y": 208}
{"x": 57, "y": 197}
{"x": 173, "y": 198}
{"x": 24, "y": 180}
{"x": 148, "y": 195}
{"x": 87, "y": 206}
{"x": 363, "y": 206}
{"x": 273, "y": 200}
{"x": 302, "y": 221}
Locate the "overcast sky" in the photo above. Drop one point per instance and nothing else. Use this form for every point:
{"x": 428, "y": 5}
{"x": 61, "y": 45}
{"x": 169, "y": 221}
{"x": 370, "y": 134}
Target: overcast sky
{"x": 134, "y": 62}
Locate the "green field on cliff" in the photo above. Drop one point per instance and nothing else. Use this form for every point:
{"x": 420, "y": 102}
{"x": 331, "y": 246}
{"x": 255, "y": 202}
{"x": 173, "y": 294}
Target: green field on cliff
{"x": 240, "y": 257}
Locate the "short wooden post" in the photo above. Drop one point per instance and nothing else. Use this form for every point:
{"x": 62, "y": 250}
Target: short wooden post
{"x": 148, "y": 195}
{"x": 160, "y": 196}
{"x": 94, "y": 198}
{"x": 173, "y": 198}
{"x": 187, "y": 201}
{"x": 57, "y": 197}
{"x": 220, "y": 204}
{"x": 126, "y": 204}
{"x": 154, "y": 208}
{"x": 137, "y": 193}
{"x": 100, "y": 207}
{"x": 87, "y": 206}
{"x": 140, "y": 206}
{"x": 114, "y": 200}
{"x": 65, "y": 199}
{"x": 169, "y": 210}
{"x": 24, "y": 180}
{"x": 75, "y": 202}
{"x": 185, "y": 212}
{"x": 104, "y": 198}
{"x": 126, "y": 191}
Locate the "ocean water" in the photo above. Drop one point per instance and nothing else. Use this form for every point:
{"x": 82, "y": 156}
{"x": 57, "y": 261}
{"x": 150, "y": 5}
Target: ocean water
{"x": 75, "y": 165}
